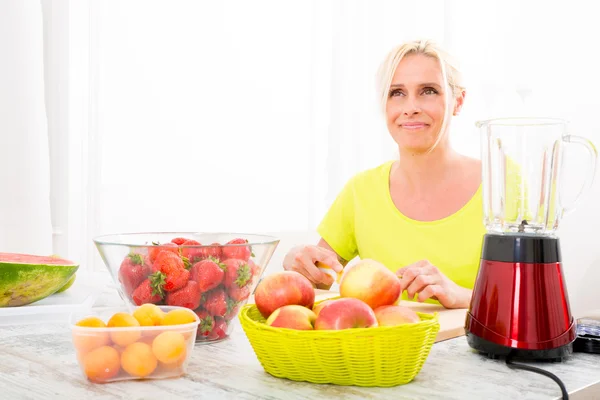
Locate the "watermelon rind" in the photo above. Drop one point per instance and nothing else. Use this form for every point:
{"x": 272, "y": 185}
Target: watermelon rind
{"x": 26, "y": 279}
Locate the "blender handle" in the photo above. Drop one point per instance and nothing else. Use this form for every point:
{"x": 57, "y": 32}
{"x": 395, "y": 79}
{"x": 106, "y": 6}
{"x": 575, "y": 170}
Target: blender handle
{"x": 591, "y": 170}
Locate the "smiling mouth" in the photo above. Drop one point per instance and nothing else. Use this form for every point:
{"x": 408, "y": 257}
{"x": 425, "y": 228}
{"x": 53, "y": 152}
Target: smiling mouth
{"x": 413, "y": 126}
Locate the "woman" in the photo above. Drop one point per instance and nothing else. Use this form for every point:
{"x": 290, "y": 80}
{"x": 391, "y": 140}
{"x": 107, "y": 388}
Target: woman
{"x": 421, "y": 215}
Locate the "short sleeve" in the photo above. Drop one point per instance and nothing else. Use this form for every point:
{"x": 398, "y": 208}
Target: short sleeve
{"x": 337, "y": 227}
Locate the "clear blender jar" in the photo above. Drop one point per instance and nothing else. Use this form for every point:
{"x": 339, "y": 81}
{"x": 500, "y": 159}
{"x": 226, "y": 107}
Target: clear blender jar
{"x": 522, "y": 172}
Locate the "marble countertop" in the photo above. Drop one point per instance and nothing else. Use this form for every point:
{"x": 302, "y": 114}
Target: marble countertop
{"x": 38, "y": 362}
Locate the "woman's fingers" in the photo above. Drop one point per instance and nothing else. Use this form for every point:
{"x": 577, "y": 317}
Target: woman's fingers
{"x": 417, "y": 277}
{"x": 326, "y": 257}
{"x": 303, "y": 259}
{"x": 432, "y": 291}
{"x": 419, "y": 264}
{"x": 408, "y": 274}
{"x": 305, "y": 265}
{"x": 419, "y": 283}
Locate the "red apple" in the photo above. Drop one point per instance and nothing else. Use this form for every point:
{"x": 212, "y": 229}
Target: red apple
{"x": 346, "y": 313}
{"x": 281, "y": 289}
{"x": 395, "y": 315}
{"x": 319, "y": 306}
{"x": 292, "y": 317}
{"x": 371, "y": 282}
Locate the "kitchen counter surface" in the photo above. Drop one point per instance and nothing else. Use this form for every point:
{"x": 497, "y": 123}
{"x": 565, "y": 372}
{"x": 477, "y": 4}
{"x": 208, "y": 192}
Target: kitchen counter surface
{"x": 38, "y": 362}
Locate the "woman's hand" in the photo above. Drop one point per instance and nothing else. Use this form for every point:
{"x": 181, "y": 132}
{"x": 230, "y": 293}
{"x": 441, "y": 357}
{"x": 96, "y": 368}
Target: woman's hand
{"x": 426, "y": 279}
{"x": 302, "y": 259}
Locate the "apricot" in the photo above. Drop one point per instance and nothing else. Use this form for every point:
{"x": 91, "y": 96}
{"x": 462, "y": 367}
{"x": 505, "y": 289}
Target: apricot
{"x": 169, "y": 347}
{"x": 138, "y": 360}
{"x": 127, "y": 336}
{"x": 90, "y": 340}
{"x": 101, "y": 364}
{"x": 173, "y": 368}
{"x": 149, "y": 315}
{"x": 179, "y": 317}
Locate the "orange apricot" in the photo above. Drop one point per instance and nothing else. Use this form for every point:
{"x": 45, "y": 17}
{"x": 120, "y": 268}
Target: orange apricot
{"x": 179, "y": 316}
{"x": 138, "y": 360}
{"x": 169, "y": 347}
{"x": 101, "y": 364}
{"x": 149, "y": 315}
{"x": 85, "y": 341}
{"x": 124, "y": 337}
{"x": 174, "y": 368}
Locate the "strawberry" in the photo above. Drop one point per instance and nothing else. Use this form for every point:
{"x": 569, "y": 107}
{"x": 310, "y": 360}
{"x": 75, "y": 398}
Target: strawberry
{"x": 215, "y": 302}
{"x": 132, "y": 272}
{"x": 212, "y": 251}
{"x": 202, "y": 253}
{"x": 179, "y": 241}
{"x": 236, "y": 251}
{"x": 238, "y": 293}
{"x": 172, "y": 269}
{"x": 237, "y": 272}
{"x": 189, "y": 251}
{"x": 208, "y": 273}
{"x": 219, "y": 330}
{"x": 188, "y": 296}
{"x": 232, "y": 309}
{"x": 207, "y": 323}
{"x": 146, "y": 292}
{"x": 254, "y": 270}
{"x": 157, "y": 248}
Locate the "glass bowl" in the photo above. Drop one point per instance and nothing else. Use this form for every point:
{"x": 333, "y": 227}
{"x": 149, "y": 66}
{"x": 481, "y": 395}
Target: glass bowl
{"x": 212, "y": 274}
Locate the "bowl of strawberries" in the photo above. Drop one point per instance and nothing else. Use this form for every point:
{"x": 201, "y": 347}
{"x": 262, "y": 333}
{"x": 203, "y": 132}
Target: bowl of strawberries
{"x": 212, "y": 274}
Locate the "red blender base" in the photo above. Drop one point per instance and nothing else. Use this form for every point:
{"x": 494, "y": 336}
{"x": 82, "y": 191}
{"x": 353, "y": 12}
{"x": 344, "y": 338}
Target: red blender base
{"x": 520, "y": 303}
{"x": 556, "y": 350}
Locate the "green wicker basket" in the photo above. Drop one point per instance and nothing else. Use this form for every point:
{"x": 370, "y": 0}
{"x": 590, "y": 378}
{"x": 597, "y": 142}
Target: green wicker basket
{"x": 382, "y": 356}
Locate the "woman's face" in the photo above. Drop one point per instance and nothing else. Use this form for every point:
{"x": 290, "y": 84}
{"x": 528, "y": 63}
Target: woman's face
{"x": 415, "y": 105}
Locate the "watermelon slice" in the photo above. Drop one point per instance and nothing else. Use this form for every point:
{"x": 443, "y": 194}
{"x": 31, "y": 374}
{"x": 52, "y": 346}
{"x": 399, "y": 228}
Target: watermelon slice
{"x": 25, "y": 279}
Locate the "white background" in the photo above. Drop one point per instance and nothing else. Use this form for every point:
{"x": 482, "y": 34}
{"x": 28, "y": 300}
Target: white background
{"x": 249, "y": 116}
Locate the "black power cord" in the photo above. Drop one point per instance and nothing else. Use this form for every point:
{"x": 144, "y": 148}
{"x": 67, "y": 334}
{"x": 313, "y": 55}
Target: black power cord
{"x": 513, "y": 365}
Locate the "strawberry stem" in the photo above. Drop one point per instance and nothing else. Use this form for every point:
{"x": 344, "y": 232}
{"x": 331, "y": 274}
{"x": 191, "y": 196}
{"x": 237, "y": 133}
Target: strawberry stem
{"x": 230, "y": 304}
{"x": 136, "y": 258}
{"x": 157, "y": 281}
{"x": 207, "y": 324}
{"x": 243, "y": 275}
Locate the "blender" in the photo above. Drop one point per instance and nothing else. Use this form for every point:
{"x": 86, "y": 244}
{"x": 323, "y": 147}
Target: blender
{"x": 520, "y": 305}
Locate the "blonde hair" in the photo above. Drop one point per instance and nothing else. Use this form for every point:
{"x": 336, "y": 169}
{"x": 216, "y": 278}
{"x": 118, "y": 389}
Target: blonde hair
{"x": 450, "y": 73}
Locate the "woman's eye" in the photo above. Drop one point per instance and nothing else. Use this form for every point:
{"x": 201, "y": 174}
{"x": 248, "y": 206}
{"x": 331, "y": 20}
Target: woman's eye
{"x": 395, "y": 92}
{"x": 430, "y": 91}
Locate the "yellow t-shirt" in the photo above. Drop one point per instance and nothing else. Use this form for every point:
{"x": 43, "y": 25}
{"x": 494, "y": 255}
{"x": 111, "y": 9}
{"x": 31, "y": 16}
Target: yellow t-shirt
{"x": 364, "y": 221}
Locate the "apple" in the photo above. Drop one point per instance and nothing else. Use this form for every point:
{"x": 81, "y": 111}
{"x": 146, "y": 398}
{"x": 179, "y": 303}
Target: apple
{"x": 319, "y": 306}
{"x": 370, "y": 281}
{"x": 293, "y": 317}
{"x": 395, "y": 315}
{"x": 346, "y": 313}
{"x": 281, "y": 289}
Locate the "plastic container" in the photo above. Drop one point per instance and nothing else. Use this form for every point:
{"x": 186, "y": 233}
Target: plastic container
{"x": 137, "y": 352}
{"x": 381, "y": 356}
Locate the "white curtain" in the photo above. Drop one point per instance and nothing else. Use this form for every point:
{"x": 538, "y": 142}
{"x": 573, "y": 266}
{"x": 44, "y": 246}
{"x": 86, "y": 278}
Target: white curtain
{"x": 244, "y": 116}
{"x": 251, "y": 115}
{"x": 25, "y": 218}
